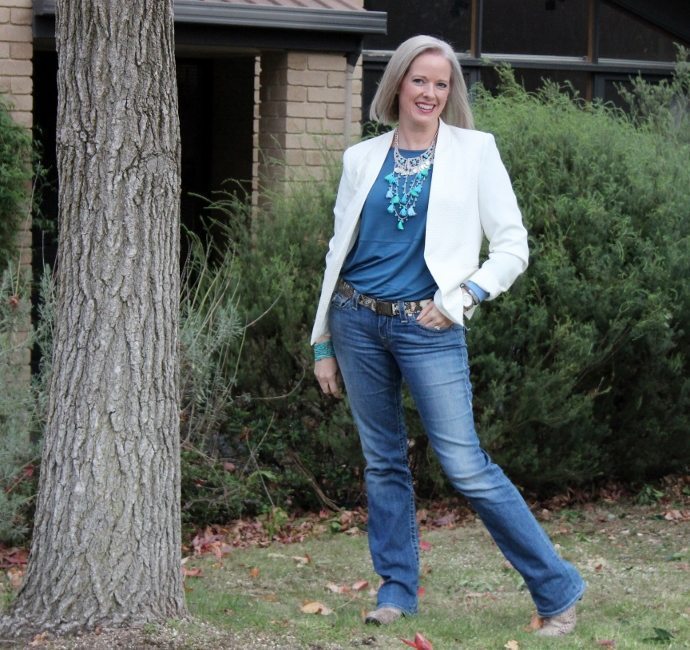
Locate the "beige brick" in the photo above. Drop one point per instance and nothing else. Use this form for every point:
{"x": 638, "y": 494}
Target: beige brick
{"x": 21, "y": 50}
{"x": 326, "y": 95}
{"x": 297, "y": 60}
{"x": 5, "y": 15}
{"x": 307, "y": 78}
{"x": 23, "y": 118}
{"x": 6, "y": 84}
{"x": 24, "y": 239}
{"x": 22, "y": 16}
{"x": 315, "y": 125}
{"x": 21, "y": 85}
{"x": 15, "y": 33}
{"x": 22, "y": 102}
{"x": 356, "y": 87}
{"x": 295, "y": 125}
{"x": 296, "y": 94}
{"x": 327, "y": 62}
{"x": 5, "y": 50}
{"x": 11, "y": 68}
{"x": 314, "y": 157}
{"x": 336, "y": 79}
{"x": 295, "y": 157}
{"x": 305, "y": 110}
{"x": 27, "y": 4}
{"x": 335, "y": 111}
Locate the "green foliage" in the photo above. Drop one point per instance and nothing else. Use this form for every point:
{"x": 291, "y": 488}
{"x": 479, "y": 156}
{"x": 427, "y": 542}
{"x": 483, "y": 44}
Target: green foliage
{"x": 15, "y": 173}
{"x": 664, "y": 107}
{"x": 581, "y": 370}
{"x": 308, "y": 441}
{"x": 18, "y": 415}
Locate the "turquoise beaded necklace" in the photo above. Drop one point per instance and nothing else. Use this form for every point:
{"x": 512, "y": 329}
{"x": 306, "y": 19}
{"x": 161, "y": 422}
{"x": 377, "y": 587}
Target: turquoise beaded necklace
{"x": 413, "y": 172}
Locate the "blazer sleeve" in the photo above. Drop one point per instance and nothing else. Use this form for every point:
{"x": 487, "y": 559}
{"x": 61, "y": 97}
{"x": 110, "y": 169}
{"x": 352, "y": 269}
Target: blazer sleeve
{"x": 501, "y": 222}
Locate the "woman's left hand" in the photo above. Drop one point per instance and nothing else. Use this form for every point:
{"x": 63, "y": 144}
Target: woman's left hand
{"x": 431, "y": 317}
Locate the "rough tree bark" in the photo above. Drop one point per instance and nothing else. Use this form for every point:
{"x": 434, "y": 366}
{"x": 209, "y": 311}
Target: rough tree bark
{"x": 106, "y": 542}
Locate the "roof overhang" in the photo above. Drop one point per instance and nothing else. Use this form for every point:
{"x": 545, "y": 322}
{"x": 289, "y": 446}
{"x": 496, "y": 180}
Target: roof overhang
{"x": 236, "y": 25}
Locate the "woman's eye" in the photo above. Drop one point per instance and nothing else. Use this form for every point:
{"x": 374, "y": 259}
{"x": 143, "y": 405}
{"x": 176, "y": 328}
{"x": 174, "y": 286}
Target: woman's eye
{"x": 442, "y": 85}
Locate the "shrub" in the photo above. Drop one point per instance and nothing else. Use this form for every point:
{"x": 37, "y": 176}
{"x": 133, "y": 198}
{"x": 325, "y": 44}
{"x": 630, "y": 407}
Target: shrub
{"x": 15, "y": 174}
{"x": 19, "y": 416}
{"x": 581, "y": 370}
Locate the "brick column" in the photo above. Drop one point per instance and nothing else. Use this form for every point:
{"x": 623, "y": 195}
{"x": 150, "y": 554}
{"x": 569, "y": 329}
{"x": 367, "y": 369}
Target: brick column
{"x": 305, "y": 99}
{"x": 16, "y": 86}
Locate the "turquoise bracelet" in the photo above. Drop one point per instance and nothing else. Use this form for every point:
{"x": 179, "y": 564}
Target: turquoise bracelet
{"x": 323, "y": 350}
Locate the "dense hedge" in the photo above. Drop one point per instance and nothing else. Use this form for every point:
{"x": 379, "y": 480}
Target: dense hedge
{"x": 580, "y": 371}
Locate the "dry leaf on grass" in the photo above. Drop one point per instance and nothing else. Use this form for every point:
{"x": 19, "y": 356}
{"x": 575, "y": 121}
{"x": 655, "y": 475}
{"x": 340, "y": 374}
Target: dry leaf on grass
{"x": 419, "y": 642}
{"x": 254, "y": 572}
{"x": 512, "y": 645}
{"x": 607, "y": 643}
{"x": 315, "y": 607}
{"x": 15, "y": 575}
{"x": 194, "y": 572}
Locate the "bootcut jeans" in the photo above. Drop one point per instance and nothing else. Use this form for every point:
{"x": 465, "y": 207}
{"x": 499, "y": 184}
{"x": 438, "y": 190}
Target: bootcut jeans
{"x": 375, "y": 355}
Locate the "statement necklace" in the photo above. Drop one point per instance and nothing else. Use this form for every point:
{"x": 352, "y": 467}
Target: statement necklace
{"x": 412, "y": 172}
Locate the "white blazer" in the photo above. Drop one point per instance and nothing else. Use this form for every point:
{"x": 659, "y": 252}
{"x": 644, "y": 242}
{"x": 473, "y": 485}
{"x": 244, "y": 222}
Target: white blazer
{"x": 470, "y": 198}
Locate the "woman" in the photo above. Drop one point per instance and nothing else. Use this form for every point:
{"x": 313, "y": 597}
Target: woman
{"x": 402, "y": 275}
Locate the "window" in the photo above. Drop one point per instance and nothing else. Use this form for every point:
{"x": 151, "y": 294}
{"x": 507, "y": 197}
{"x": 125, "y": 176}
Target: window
{"x": 446, "y": 19}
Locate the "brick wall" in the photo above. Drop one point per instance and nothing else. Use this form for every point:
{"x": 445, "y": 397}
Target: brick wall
{"x": 16, "y": 86}
{"x": 309, "y": 108}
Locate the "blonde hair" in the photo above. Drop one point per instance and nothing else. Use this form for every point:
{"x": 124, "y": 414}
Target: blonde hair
{"x": 384, "y": 107}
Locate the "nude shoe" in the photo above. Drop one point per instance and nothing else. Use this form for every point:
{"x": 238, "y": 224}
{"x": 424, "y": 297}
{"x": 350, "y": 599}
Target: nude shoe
{"x": 383, "y": 616}
{"x": 559, "y": 625}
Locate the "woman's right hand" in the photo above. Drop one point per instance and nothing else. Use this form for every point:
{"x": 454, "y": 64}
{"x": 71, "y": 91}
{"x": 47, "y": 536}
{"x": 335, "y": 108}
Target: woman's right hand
{"x": 328, "y": 376}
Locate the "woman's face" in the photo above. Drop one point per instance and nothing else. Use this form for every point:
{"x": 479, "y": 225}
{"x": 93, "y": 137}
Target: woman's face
{"x": 423, "y": 92}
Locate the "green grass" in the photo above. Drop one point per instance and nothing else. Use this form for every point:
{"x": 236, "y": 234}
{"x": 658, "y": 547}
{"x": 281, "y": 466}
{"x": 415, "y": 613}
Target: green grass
{"x": 634, "y": 559}
{"x": 636, "y": 563}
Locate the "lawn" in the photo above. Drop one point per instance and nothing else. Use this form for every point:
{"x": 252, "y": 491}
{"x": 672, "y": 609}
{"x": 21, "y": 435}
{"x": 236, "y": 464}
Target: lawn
{"x": 635, "y": 559}
{"x": 312, "y": 594}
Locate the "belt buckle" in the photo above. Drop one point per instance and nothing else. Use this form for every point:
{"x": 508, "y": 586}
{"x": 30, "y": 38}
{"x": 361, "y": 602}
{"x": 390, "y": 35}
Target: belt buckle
{"x": 385, "y": 308}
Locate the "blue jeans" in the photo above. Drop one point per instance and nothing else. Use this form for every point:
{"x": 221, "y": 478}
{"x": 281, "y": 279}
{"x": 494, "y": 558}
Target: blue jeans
{"x": 375, "y": 355}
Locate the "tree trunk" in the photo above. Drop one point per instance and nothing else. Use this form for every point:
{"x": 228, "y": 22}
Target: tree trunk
{"x": 106, "y": 541}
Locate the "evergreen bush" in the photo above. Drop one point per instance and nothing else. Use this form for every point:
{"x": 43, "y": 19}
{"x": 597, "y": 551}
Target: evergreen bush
{"x": 581, "y": 370}
{"x": 15, "y": 174}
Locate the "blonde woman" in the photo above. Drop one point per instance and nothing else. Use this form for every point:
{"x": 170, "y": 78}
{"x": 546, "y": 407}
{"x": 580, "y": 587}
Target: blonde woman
{"x": 403, "y": 273}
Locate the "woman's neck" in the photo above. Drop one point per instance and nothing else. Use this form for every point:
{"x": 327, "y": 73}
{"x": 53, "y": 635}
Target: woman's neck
{"x": 416, "y": 139}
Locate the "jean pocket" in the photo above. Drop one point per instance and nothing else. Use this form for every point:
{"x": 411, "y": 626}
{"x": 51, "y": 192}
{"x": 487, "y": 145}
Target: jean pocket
{"x": 432, "y": 330}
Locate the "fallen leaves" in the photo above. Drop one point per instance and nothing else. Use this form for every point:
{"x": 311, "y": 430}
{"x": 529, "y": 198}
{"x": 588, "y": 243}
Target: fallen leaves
{"x": 315, "y": 607}
{"x": 11, "y": 557}
{"x": 419, "y": 642}
{"x": 677, "y": 515}
{"x": 15, "y": 575}
{"x": 210, "y": 541}
{"x": 512, "y": 645}
{"x": 359, "y": 585}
